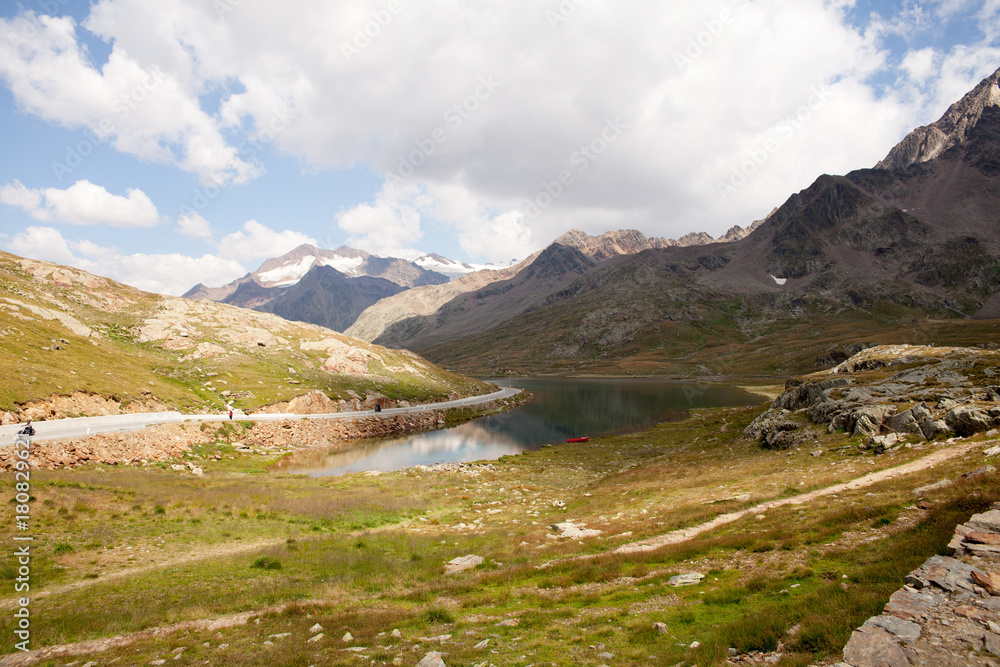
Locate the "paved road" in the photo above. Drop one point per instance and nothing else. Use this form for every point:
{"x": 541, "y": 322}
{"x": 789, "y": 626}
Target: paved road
{"x": 84, "y": 426}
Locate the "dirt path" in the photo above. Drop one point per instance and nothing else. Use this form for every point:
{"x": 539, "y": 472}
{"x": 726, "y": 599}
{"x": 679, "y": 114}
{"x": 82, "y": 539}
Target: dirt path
{"x": 213, "y": 551}
{"x": 108, "y": 643}
{"x": 685, "y": 534}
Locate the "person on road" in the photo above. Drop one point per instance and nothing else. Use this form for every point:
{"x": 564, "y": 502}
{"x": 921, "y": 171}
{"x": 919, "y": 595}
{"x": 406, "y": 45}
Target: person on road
{"x": 230, "y": 414}
{"x": 28, "y": 429}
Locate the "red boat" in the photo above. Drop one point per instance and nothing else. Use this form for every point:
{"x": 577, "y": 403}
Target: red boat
{"x": 578, "y": 440}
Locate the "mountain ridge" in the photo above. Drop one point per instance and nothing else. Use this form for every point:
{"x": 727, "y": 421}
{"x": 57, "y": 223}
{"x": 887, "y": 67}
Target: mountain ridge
{"x": 875, "y": 247}
{"x": 928, "y": 141}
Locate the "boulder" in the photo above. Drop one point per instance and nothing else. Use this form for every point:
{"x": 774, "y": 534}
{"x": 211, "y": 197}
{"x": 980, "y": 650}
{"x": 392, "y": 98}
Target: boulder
{"x": 689, "y": 579}
{"x": 867, "y": 421}
{"x": 462, "y": 563}
{"x": 968, "y": 421}
{"x": 432, "y": 659}
{"x": 874, "y": 647}
{"x": 903, "y": 422}
{"x": 932, "y": 428}
{"x": 573, "y": 531}
{"x": 772, "y": 429}
{"x": 803, "y": 395}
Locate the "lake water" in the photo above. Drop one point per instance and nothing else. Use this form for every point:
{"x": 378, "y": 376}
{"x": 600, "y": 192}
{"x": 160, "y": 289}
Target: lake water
{"x": 561, "y": 409}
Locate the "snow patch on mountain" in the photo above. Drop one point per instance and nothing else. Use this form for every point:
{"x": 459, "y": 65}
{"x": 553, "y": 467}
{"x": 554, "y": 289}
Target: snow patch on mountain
{"x": 454, "y": 269}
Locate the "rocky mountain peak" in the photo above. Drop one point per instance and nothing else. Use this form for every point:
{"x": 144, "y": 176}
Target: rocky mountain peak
{"x": 927, "y": 142}
{"x": 609, "y": 244}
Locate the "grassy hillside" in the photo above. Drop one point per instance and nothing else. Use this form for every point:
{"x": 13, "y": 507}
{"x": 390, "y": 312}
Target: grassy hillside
{"x": 64, "y": 331}
{"x": 616, "y": 324}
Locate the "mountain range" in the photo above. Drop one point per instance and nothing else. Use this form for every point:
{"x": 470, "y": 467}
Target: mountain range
{"x": 913, "y": 240}
{"x": 332, "y": 288}
{"x": 912, "y": 243}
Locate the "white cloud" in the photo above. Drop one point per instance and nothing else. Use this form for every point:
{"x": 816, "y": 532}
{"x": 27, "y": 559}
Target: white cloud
{"x": 919, "y": 65}
{"x": 142, "y": 110}
{"x": 485, "y": 104}
{"x": 257, "y": 241}
{"x": 83, "y": 203}
{"x": 43, "y": 243}
{"x": 160, "y": 273}
{"x": 387, "y": 226}
{"x": 194, "y": 226}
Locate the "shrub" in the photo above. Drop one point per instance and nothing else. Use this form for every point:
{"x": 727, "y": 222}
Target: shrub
{"x": 267, "y": 563}
{"x": 438, "y": 615}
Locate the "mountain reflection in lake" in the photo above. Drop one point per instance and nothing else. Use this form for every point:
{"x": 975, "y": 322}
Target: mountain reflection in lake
{"x": 561, "y": 409}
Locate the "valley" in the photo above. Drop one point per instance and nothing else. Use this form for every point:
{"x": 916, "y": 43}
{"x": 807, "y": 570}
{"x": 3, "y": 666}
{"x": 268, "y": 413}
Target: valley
{"x": 864, "y": 308}
{"x": 577, "y": 559}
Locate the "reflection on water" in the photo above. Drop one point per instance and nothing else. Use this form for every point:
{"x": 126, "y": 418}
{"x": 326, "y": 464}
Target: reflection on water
{"x": 561, "y": 409}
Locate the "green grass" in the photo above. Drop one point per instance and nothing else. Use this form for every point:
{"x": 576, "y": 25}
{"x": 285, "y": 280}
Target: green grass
{"x": 366, "y": 555}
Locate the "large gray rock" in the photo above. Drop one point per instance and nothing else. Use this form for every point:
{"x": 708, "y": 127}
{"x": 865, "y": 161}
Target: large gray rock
{"x": 771, "y": 429}
{"x": 932, "y": 428}
{"x": 867, "y": 421}
{"x": 874, "y": 647}
{"x": 968, "y": 421}
{"x": 907, "y": 631}
{"x": 944, "y": 572}
{"x": 689, "y": 579}
{"x": 432, "y": 659}
{"x": 805, "y": 394}
{"x": 461, "y": 563}
{"x": 903, "y": 422}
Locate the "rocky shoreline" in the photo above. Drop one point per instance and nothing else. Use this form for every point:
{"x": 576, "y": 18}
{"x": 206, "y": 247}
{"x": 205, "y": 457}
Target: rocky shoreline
{"x": 169, "y": 442}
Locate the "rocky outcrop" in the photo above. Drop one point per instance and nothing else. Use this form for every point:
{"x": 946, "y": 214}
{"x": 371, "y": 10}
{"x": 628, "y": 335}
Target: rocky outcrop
{"x": 928, "y": 142}
{"x": 318, "y": 403}
{"x": 946, "y": 613}
{"x": 81, "y": 403}
{"x": 800, "y": 394}
{"x": 774, "y": 429}
{"x": 932, "y": 398}
{"x": 968, "y": 421}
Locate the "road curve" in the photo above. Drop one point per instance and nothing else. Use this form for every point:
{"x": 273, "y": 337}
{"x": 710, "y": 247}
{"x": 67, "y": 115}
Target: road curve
{"x": 80, "y": 427}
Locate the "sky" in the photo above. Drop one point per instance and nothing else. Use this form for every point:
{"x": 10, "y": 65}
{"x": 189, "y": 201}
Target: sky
{"x": 176, "y": 142}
